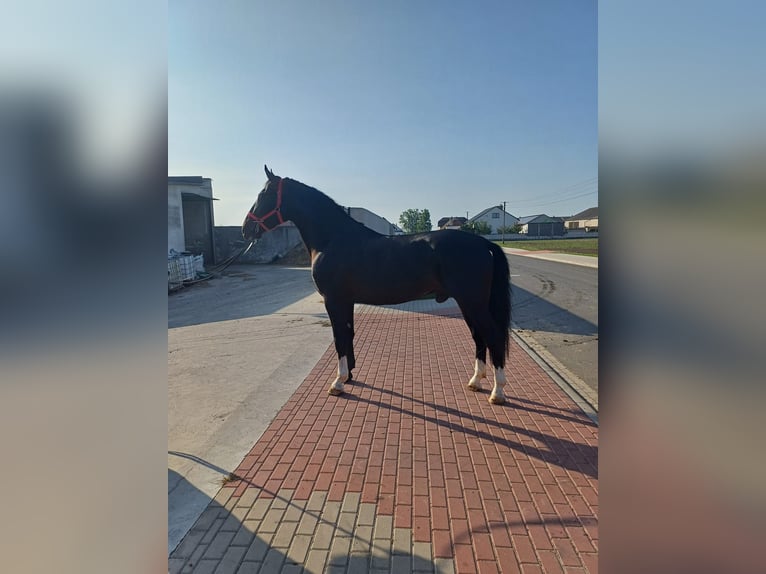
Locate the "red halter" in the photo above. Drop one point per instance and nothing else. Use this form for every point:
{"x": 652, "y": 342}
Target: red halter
{"x": 260, "y": 220}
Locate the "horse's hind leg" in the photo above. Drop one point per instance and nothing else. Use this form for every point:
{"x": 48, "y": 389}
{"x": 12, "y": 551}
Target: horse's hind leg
{"x": 485, "y": 332}
{"x": 342, "y": 318}
{"x": 497, "y": 354}
{"x": 480, "y": 366}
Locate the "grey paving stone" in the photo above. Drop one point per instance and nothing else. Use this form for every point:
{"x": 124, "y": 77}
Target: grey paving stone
{"x": 361, "y": 541}
{"x": 316, "y": 501}
{"x": 341, "y": 546}
{"x": 230, "y": 562}
{"x": 359, "y": 564}
{"x": 219, "y": 545}
{"x": 248, "y": 497}
{"x": 331, "y": 512}
{"x": 299, "y": 548}
{"x": 422, "y": 550}
{"x": 258, "y": 548}
{"x": 273, "y": 562}
{"x": 402, "y": 541}
{"x": 259, "y": 509}
{"x": 196, "y": 556}
{"x": 323, "y": 537}
{"x": 271, "y": 521}
{"x": 293, "y": 513}
{"x": 366, "y": 515}
{"x": 351, "y": 502}
{"x": 206, "y": 567}
{"x": 346, "y": 522}
{"x": 307, "y": 524}
{"x": 444, "y": 565}
{"x": 192, "y": 539}
{"x": 381, "y": 556}
{"x": 284, "y": 535}
{"x": 208, "y": 517}
{"x": 316, "y": 560}
{"x": 249, "y": 567}
{"x": 240, "y": 512}
{"x": 210, "y": 534}
{"x": 231, "y": 524}
{"x": 282, "y": 499}
{"x": 401, "y": 564}
{"x": 383, "y": 527}
{"x": 246, "y": 533}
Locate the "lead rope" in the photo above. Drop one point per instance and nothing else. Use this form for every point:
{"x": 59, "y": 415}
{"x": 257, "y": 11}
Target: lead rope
{"x": 221, "y": 267}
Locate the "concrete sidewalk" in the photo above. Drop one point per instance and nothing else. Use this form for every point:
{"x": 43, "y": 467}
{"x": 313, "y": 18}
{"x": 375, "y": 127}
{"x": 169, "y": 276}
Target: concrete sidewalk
{"x": 409, "y": 471}
{"x": 582, "y": 260}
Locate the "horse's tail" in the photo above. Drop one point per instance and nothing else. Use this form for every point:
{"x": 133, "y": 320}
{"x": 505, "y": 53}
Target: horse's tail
{"x": 500, "y": 296}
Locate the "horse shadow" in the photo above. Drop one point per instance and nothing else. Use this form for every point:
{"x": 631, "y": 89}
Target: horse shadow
{"x": 531, "y": 312}
{"x": 244, "y": 291}
{"x": 557, "y": 451}
{"x": 222, "y": 540}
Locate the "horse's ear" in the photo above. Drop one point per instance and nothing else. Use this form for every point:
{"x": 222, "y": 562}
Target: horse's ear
{"x": 270, "y": 174}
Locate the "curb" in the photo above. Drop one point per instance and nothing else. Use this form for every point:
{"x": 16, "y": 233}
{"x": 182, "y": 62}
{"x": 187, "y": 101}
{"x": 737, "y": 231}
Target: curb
{"x": 585, "y": 397}
{"x": 590, "y": 262}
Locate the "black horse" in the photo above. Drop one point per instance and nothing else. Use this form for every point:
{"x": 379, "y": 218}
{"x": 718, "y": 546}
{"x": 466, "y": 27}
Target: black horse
{"x": 350, "y": 264}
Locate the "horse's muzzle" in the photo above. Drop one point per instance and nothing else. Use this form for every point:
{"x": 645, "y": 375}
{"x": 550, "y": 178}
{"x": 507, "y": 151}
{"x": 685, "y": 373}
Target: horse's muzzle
{"x": 251, "y": 231}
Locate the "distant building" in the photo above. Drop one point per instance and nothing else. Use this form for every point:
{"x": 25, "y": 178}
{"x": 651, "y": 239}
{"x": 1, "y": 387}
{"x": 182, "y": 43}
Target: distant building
{"x": 451, "y": 222}
{"x": 372, "y": 220}
{"x": 542, "y": 226}
{"x": 493, "y": 216}
{"x": 586, "y": 220}
{"x": 190, "y": 216}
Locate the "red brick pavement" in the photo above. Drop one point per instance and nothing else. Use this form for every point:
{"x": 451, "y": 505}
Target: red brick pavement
{"x": 509, "y": 488}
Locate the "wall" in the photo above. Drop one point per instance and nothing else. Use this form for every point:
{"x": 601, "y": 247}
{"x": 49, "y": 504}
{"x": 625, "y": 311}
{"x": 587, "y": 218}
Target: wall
{"x": 270, "y": 247}
{"x": 574, "y": 234}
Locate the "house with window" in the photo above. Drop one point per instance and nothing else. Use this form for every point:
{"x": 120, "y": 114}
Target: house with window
{"x": 542, "y": 226}
{"x": 451, "y": 222}
{"x": 495, "y": 217}
{"x": 585, "y": 220}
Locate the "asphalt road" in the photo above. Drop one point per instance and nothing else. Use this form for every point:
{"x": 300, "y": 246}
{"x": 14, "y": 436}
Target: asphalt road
{"x": 556, "y": 305}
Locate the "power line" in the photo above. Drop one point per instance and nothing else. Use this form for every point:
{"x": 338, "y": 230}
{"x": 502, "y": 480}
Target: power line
{"x": 564, "y": 193}
{"x": 557, "y": 197}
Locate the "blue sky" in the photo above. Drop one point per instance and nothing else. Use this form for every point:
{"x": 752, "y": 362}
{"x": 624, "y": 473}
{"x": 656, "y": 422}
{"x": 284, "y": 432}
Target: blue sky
{"x": 449, "y": 106}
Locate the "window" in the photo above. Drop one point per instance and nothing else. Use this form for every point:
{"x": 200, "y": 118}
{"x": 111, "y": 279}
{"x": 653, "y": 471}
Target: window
{"x": 495, "y": 215}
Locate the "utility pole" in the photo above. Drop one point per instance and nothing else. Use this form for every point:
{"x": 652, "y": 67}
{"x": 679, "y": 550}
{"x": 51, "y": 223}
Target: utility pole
{"x": 503, "y": 231}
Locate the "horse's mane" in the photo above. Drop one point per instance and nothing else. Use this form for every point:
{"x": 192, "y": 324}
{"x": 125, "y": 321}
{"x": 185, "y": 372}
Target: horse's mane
{"x": 323, "y": 200}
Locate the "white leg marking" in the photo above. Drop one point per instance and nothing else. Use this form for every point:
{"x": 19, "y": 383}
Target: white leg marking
{"x": 336, "y": 388}
{"x": 479, "y": 372}
{"x": 498, "y": 395}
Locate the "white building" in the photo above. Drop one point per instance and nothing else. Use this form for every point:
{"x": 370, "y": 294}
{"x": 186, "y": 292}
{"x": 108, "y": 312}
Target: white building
{"x": 371, "y": 220}
{"x": 493, "y": 216}
{"x": 190, "y": 216}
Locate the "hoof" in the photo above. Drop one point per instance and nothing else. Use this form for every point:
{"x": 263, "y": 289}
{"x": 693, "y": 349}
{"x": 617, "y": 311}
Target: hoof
{"x": 497, "y": 400}
{"x": 475, "y": 387}
{"x": 334, "y": 392}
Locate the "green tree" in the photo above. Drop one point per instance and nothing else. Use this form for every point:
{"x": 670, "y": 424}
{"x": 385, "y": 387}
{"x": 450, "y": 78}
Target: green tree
{"x": 477, "y": 227}
{"x": 510, "y": 229}
{"x": 415, "y": 220}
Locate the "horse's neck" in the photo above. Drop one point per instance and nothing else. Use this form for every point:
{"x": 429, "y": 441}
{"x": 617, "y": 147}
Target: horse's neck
{"x": 317, "y": 218}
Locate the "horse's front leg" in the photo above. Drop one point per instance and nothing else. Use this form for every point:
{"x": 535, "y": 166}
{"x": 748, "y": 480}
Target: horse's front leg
{"x": 342, "y": 319}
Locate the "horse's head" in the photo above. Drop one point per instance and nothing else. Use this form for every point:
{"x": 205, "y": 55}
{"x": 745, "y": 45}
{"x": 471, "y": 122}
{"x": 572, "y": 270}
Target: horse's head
{"x": 266, "y": 212}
